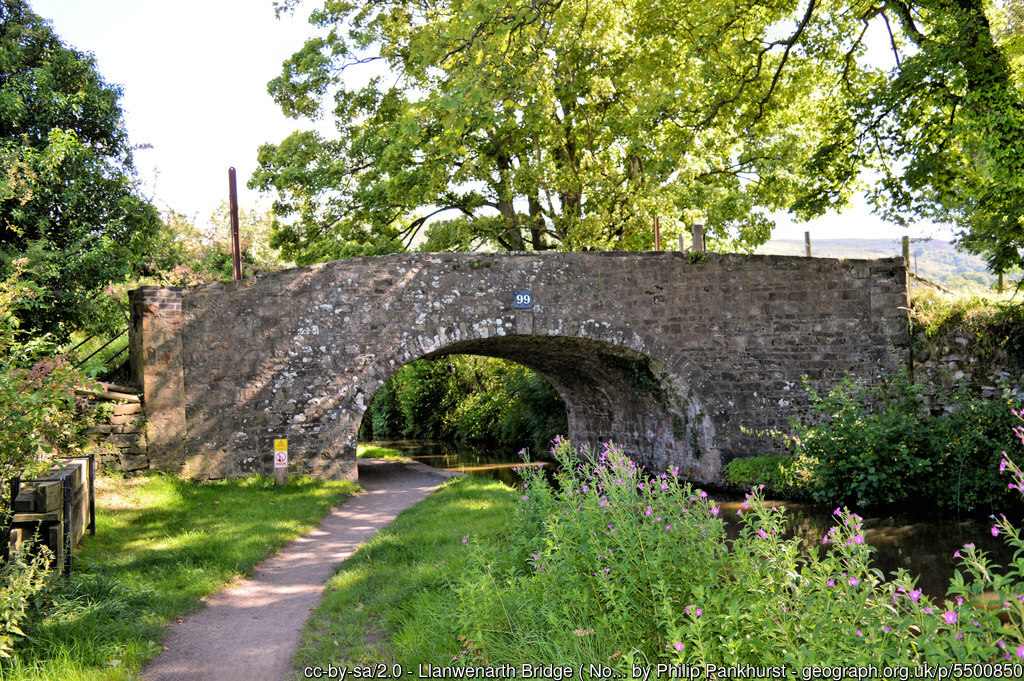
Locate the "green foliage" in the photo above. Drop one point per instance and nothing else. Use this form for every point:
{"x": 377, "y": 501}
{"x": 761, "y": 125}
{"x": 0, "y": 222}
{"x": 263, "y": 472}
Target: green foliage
{"x": 466, "y": 398}
{"x": 880, "y": 445}
{"x": 68, "y": 197}
{"x": 161, "y": 546}
{"x": 521, "y": 126}
{"x": 37, "y": 400}
{"x": 773, "y": 471}
{"x": 618, "y": 569}
{"x": 24, "y": 583}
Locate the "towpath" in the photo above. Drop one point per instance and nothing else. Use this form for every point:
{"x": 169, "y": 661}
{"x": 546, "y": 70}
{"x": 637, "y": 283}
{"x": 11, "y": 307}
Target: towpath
{"x": 250, "y": 630}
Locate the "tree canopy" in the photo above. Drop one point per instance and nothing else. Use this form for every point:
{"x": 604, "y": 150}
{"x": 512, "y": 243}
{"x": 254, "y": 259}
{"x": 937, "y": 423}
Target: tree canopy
{"x": 525, "y": 124}
{"x": 69, "y": 200}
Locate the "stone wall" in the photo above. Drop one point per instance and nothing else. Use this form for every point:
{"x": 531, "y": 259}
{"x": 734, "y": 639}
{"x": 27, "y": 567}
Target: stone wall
{"x": 120, "y": 444}
{"x": 686, "y": 361}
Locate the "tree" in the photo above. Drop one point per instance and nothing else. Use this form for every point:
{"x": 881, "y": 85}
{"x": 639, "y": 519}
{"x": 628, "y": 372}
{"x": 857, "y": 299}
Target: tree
{"x": 542, "y": 124}
{"x": 942, "y": 129}
{"x": 572, "y": 123}
{"x": 68, "y": 195}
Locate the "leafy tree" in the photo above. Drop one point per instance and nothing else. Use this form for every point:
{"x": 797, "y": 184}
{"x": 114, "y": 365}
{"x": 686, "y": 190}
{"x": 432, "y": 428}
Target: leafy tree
{"x": 572, "y": 123}
{"x": 941, "y": 129}
{"x": 532, "y": 125}
{"x": 68, "y": 196}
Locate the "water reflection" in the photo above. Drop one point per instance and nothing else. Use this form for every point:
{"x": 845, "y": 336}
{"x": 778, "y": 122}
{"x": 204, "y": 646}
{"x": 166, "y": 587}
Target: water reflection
{"x": 495, "y": 463}
{"x": 920, "y": 543}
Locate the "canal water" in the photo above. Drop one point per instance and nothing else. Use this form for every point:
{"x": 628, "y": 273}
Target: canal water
{"x": 917, "y": 541}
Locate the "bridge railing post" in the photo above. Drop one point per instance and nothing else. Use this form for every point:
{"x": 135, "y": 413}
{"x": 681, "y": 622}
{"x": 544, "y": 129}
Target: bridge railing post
{"x": 699, "y": 241}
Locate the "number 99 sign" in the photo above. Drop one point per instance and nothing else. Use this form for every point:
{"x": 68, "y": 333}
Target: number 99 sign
{"x": 522, "y": 300}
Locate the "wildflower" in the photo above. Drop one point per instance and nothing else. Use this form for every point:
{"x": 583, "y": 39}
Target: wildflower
{"x": 668, "y": 527}
{"x": 858, "y": 539}
{"x": 466, "y": 538}
{"x": 928, "y": 609}
{"x": 995, "y": 530}
{"x": 703, "y": 494}
{"x": 679, "y": 646}
{"x": 915, "y": 595}
{"x": 858, "y": 633}
{"x": 1020, "y": 651}
{"x": 831, "y": 582}
{"x": 714, "y": 510}
{"x": 761, "y": 533}
{"x": 854, "y": 581}
{"x": 949, "y": 616}
{"x": 885, "y": 628}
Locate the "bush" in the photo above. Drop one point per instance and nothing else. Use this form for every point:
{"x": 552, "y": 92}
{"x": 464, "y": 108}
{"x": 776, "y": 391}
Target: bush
{"x": 775, "y": 472}
{"x": 618, "y": 569}
{"x": 879, "y": 444}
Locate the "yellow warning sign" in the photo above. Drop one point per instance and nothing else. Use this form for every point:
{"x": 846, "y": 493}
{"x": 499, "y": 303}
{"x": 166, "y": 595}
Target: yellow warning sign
{"x": 281, "y": 445}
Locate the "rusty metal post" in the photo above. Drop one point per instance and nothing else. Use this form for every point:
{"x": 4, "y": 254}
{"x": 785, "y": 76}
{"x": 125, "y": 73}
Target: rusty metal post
{"x": 236, "y": 246}
{"x": 807, "y": 243}
{"x": 657, "y": 234}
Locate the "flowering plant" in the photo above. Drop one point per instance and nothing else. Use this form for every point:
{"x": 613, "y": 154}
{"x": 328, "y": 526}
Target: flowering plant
{"x": 618, "y": 567}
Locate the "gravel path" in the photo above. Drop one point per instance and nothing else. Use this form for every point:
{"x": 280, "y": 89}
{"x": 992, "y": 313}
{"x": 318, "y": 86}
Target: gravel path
{"x": 249, "y": 631}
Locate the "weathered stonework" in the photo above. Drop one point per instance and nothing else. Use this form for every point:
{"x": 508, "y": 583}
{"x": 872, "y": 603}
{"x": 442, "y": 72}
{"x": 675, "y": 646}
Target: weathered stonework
{"x": 685, "y": 363}
{"x": 120, "y": 444}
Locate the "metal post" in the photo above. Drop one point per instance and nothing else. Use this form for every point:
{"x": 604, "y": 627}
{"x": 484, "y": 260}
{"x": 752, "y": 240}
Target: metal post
{"x": 236, "y": 247}
{"x": 807, "y": 243}
{"x": 657, "y": 234}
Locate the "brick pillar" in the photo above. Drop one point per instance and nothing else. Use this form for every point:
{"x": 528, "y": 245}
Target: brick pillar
{"x": 156, "y": 365}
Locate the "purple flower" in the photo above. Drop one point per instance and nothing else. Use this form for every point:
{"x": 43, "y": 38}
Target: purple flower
{"x": 949, "y": 616}
{"x": 854, "y": 581}
{"x": 761, "y": 533}
{"x": 714, "y": 510}
{"x": 858, "y": 539}
{"x": 995, "y": 530}
{"x": 1020, "y": 651}
{"x": 915, "y": 595}
{"x": 679, "y": 645}
{"x": 831, "y": 582}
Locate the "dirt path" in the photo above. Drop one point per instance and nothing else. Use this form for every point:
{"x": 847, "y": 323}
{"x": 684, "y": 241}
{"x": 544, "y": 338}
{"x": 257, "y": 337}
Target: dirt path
{"x": 250, "y": 630}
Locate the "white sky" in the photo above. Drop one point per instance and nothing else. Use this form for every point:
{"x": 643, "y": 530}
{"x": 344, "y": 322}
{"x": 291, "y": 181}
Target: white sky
{"x": 194, "y": 75}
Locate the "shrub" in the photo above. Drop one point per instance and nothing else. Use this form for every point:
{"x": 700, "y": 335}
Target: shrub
{"x": 776, "y": 472}
{"x": 616, "y": 568}
{"x": 879, "y": 444}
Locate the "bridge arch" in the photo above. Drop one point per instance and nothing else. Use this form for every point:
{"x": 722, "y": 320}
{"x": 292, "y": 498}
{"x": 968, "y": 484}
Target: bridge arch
{"x": 611, "y": 392}
{"x": 686, "y": 361}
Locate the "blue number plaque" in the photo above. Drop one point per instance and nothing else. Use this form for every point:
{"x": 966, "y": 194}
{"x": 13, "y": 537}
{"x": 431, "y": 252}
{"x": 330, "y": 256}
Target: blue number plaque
{"x": 523, "y": 300}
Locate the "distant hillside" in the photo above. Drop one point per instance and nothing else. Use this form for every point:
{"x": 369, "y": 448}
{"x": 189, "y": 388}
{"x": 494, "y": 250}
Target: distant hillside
{"x": 937, "y": 261}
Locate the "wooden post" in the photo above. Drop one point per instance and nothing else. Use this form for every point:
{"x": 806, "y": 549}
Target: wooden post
{"x": 281, "y": 461}
{"x": 236, "y": 248}
{"x": 807, "y": 243}
{"x": 906, "y": 251}
{"x": 682, "y": 243}
{"x": 657, "y": 234}
{"x": 699, "y": 246}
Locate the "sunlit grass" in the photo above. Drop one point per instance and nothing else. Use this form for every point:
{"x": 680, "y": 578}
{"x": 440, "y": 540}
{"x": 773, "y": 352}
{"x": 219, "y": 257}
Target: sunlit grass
{"x": 161, "y": 545}
{"x": 377, "y": 452}
{"x": 388, "y": 602}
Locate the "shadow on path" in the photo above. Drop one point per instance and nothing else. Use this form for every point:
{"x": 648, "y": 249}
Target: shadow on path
{"x": 249, "y": 630}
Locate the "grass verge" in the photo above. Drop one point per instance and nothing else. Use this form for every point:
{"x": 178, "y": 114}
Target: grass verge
{"x": 377, "y": 452}
{"x": 161, "y": 545}
{"x": 391, "y": 601}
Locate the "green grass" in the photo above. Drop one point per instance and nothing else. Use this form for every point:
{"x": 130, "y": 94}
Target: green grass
{"x": 376, "y": 452}
{"x": 390, "y": 601}
{"x": 161, "y": 545}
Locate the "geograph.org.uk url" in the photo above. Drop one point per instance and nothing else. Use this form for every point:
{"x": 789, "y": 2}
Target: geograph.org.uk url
{"x": 904, "y": 673}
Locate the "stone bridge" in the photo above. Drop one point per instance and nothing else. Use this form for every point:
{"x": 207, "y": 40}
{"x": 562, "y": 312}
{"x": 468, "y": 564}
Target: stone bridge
{"x": 686, "y": 360}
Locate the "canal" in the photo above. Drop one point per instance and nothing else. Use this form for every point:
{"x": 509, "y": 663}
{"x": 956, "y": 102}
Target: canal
{"x": 917, "y": 540}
